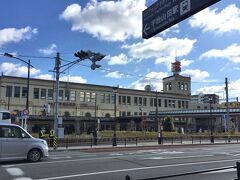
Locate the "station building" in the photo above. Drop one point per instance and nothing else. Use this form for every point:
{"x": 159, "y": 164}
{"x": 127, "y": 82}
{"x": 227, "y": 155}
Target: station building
{"x": 85, "y": 106}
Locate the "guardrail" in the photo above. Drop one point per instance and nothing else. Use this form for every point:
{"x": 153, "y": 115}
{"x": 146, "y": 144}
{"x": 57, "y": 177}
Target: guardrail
{"x": 136, "y": 141}
{"x": 127, "y": 177}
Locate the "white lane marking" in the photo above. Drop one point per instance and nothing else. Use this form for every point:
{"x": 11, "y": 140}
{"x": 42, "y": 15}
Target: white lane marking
{"x": 15, "y": 171}
{"x": 221, "y": 171}
{"x": 23, "y": 178}
{"x": 181, "y": 157}
{"x": 141, "y": 168}
{"x": 116, "y": 154}
{"x": 87, "y": 159}
{"x": 61, "y": 157}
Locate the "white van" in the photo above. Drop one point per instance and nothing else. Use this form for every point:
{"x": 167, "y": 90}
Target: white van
{"x": 17, "y": 144}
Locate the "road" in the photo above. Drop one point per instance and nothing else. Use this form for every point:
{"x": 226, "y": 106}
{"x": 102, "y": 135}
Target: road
{"x": 138, "y": 164}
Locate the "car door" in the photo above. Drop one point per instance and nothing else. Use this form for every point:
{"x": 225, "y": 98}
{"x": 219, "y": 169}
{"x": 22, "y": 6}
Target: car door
{"x": 13, "y": 145}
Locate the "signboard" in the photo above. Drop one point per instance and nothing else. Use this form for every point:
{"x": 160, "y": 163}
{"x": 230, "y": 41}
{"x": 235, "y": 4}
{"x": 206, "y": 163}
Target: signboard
{"x": 165, "y": 13}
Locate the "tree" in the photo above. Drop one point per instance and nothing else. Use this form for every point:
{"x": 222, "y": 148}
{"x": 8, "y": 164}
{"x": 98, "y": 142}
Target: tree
{"x": 168, "y": 124}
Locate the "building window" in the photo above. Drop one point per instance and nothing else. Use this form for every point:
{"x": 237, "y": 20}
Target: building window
{"x": 82, "y": 96}
{"x": 113, "y": 98}
{"x": 186, "y": 104}
{"x": 128, "y": 113}
{"x": 73, "y": 95}
{"x": 179, "y": 104}
{"x": 24, "y": 92}
{"x": 93, "y": 97}
{"x": 135, "y": 101}
{"x": 183, "y": 104}
{"x": 165, "y": 103}
{"x": 159, "y": 102}
{"x": 186, "y": 86}
{"x": 179, "y": 86}
{"x": 124, "y": 100}
{"x": 155, "y": 102}
{"x": 88, "y": 96}
{"x": 60, "y": 97}
{"x": 170, "y": 103}
{"x": 16, "y": 91}
{"x": 43, "y": 93}
{"x": 166, "y": 86}
{"x": 135, "y": 113}
{"x": 151, "y": 102}
{"x": 102, "y": 98}
{"x": 144, "y": 101}
{"x": 36, "y": 93}
{"x": 182, "y": 86}
{"x": 140, "y": 101}
{"x": 128, "y": 100}
{"x": 9, "y": 91}
{"x": 170, "y": 86}
{"x": 173, "y": 104}
{"x": 50, "y": 94}
{"x": 67, "y": 95}
{"x": 107, "y": 97}
{"x": 120, "y": 99}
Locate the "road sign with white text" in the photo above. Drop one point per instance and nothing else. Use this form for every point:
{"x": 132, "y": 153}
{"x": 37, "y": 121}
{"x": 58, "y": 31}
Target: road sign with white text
{"x": 165, "y": 13}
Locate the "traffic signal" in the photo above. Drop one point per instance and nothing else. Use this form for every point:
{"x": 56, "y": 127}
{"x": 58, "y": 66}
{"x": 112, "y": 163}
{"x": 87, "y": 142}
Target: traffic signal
{"x": 97, "y": 57}
{"x": 94, "y": 66}
{"x": 82, "y": 54}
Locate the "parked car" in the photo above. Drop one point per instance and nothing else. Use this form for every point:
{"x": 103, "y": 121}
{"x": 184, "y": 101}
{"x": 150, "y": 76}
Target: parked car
{"x": 18, "y": 144}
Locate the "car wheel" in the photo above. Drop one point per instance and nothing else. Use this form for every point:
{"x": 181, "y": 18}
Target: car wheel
{"x": 34, "y": 155}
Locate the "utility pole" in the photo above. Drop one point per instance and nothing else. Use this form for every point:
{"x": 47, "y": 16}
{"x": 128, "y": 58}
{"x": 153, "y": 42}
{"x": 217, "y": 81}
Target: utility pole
{"x": 227, "y": 103}
{"x": 57, "y": 70}
{"x": 158, "y": 121}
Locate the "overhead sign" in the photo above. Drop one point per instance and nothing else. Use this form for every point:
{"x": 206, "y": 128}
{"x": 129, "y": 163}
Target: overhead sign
{"x": 165, "y": 13}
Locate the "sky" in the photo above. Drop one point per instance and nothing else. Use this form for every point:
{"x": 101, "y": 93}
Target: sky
{"x": 207, "y": 44}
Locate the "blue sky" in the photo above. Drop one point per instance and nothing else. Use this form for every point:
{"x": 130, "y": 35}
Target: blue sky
{"x": 207, "y": 44}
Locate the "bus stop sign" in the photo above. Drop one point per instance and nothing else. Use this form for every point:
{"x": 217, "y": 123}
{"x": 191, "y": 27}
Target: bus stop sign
{"x": 165, "y": 13}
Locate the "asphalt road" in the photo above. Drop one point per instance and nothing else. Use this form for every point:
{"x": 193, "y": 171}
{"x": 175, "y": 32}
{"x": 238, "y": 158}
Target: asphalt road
{"x": 138, "y": 164}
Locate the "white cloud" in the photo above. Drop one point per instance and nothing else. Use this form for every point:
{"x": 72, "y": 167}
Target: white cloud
{"x": 45, "y": 77}
{"x": 9, "y": 35}
{"x": 76, "y": 79}
{"x": 17, "y": 70}
{"x": 153, "y": 78}
{"x": 185, "y": 63}
{"x": 233, "y": 89}
{"x": 232, "y": 53}
{"x": 218, "y": 22}
{"x": 51, "y": 49}
{"x": 119, "y": 60}
{"x": 115, "y": 75}
{"x": 163, "y": 50}
{"x": 107, "y": 20}
{"x": 195, "y": 74}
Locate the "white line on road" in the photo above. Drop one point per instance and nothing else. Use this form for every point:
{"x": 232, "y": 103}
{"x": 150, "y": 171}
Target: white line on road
{"x": 181, "y": 157}
{"x": 15, "y": 171}
{"x": 136, "y": 169}
{"x": 91, "y": 159}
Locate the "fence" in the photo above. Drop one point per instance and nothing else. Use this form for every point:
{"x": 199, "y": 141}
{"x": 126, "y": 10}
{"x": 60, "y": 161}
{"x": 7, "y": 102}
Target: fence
{"x": 136, "y": 141}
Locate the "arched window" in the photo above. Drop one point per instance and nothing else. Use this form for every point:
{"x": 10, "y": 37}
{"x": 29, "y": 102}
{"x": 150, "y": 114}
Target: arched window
{"x": 107, "y": 115}
{"x": 88, "y": 114}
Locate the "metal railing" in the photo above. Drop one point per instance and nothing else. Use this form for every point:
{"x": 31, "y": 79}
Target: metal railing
{"x": 137, "y": 141}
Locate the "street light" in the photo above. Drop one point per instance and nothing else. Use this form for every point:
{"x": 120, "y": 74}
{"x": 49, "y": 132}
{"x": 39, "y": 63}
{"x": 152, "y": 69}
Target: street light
{"x": 28, "y": 77}
{"x": 115, "y": 116}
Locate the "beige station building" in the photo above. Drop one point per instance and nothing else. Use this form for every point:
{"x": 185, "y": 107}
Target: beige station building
{"x": 86, "y": 106}
{"x": 81, "y": 104}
